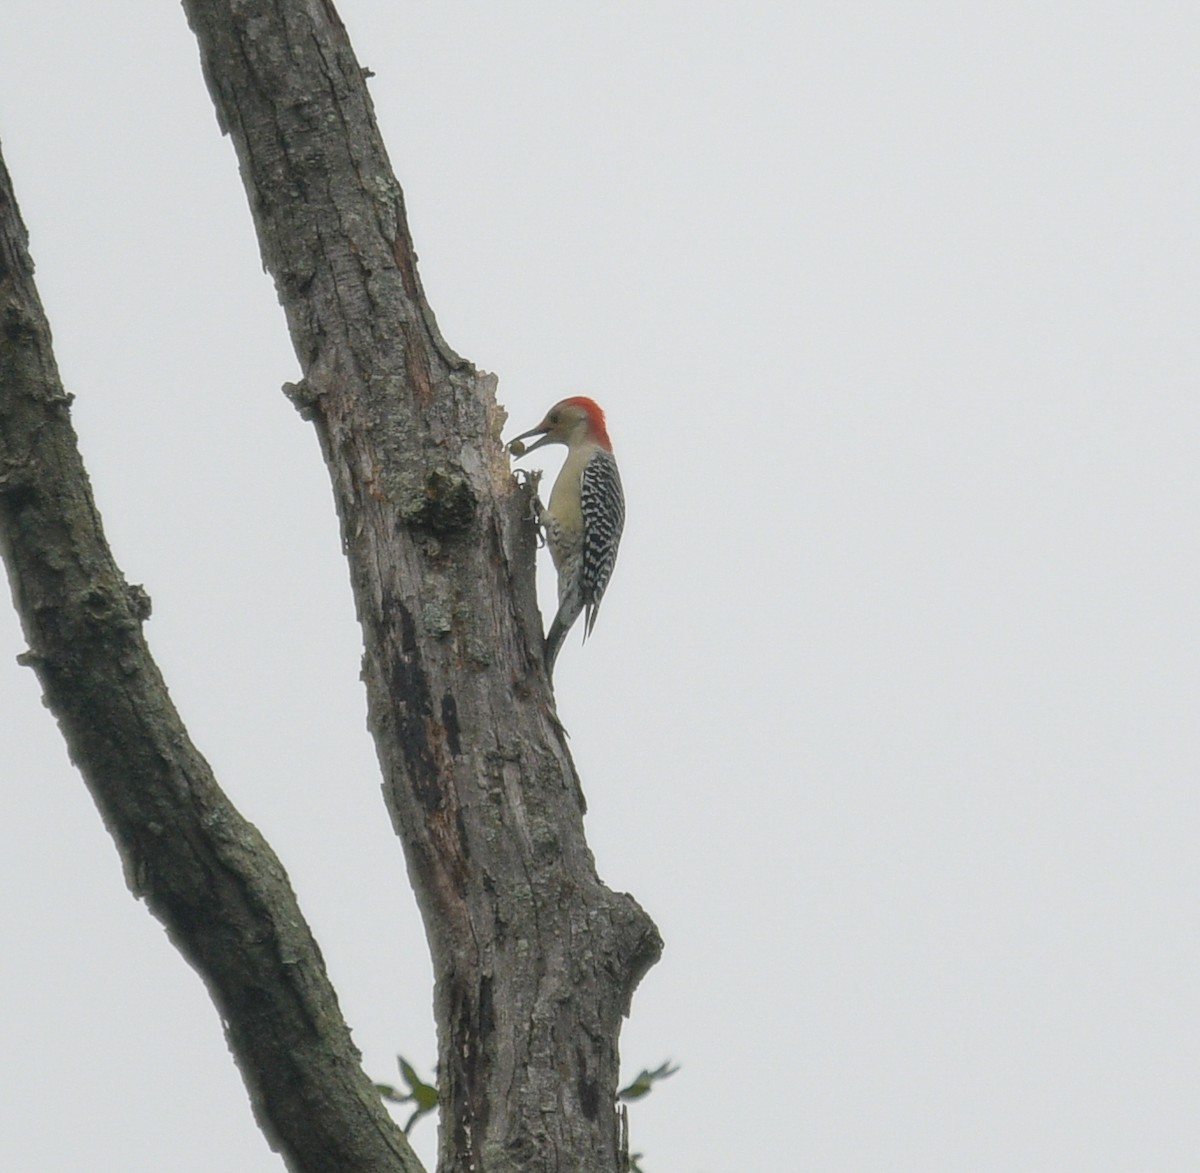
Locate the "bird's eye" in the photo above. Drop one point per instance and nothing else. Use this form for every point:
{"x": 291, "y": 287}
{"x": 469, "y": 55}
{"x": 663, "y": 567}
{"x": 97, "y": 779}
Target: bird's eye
{"x": 553, "y": 417}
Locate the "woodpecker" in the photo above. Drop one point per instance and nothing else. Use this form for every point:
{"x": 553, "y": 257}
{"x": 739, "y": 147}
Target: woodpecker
{"x": 585, "y": 516}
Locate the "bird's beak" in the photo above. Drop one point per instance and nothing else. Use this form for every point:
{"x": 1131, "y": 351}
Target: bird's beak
{"x": 540, "y": 430}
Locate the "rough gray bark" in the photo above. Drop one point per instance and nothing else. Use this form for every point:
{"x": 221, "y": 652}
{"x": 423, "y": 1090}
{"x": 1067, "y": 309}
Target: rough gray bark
{"x": 202, "y": 869}
{"x": 535, "y": 959}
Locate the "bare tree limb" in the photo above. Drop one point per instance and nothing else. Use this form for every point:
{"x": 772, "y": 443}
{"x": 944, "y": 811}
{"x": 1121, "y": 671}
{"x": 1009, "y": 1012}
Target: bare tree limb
{"x": 202, "y": 869}
{"x": 535, "y": 959}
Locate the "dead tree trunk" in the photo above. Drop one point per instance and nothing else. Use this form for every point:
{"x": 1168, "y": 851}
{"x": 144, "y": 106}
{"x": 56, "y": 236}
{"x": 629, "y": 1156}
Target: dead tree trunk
{"x": 535, "y": 959}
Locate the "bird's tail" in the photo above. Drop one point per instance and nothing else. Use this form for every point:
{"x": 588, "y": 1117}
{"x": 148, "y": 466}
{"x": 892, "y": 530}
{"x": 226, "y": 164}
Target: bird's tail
{"x": 564, "y": 620}
{"x": 555, "y": 638}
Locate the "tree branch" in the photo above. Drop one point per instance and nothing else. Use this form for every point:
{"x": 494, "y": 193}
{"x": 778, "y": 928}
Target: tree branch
{"x": 202, "y": 869}
{"x": 535, "y": 958}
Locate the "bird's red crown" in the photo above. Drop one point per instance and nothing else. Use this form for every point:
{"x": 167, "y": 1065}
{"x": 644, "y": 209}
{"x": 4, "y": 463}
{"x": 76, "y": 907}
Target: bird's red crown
{"x": 595, "y": 414}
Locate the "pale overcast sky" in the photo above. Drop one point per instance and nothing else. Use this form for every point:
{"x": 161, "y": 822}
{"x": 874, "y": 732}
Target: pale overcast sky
{"x": 889, "y": 719}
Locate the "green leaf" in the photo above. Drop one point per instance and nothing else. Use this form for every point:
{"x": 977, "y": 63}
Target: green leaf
{"x": 645, "y": 1081}
{"x": 424, "y": 1096}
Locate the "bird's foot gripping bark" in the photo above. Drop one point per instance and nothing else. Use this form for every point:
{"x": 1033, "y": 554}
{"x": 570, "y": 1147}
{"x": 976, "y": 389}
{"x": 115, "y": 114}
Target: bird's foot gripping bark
{"x": 537, "y": 511}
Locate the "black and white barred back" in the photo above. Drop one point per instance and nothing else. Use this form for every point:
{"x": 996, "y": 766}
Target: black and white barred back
{"x": 585, "y": 564}
{"x": 602, "y": 503}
